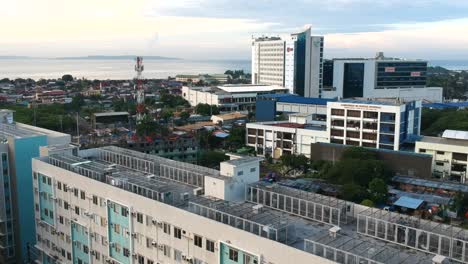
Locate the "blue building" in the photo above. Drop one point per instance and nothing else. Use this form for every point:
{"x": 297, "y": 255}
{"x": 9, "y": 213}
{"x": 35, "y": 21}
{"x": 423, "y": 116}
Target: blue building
{"x": 19, "y": 144}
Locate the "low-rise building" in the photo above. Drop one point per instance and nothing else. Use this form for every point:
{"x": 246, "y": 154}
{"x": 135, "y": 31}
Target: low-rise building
{"x": 228, "y": 118}
{"x": 449, "y": 152}
{"x": 229, "y": 98}
{"x": 284, "y": 137}
{"x": 378, "y": 123}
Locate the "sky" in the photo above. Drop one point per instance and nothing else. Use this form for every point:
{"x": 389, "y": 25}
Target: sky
{"x": 222, "y": 29}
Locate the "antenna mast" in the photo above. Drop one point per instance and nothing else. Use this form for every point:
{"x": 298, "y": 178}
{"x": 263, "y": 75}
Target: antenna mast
{"x": 140, "y": 90}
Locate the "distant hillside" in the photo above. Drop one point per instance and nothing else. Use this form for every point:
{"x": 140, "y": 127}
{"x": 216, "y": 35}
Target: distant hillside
{"x": 120, "y": 57}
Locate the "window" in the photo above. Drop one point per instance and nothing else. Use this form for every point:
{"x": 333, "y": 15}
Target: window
{"x": 65, "y": 188}
{"x": 85, "y": 249}
{"x": 177, "y": 233}
{"x": 141, "y": 259}
{"x": 124, "y": 211}
{"x": 439, "y": 163}
{"x": 167, "y": 251}
{"x": 59, "y": 185}
{"x": 198, "y": 241}
{"x": 197, "y": 261}
{"x": 422, "y": 151}
{"x": 65, "y": 205}
{"x": 149, "y": 261}
{"x": 167, "y": 228}
{"x": 126, "y": 252}
{"x": 61, "y": 219}
{"x": 177, "y": 255}
{"x": 75, "y": 192}
{"x": 240, "y": 173}
{"x": 139, "y": 218}
{"x": 77, "y": 210}
{"x": 83, "y": 195}
{"x": 440, "y": 152}
{"x": 210, "y": 245}
{"x": 253, "y": 169}
{"x": 233, "y": 255}
{"x": 95, "y": 200}
{"x": 49, "y": 181}
{"x": 68, "y": 255}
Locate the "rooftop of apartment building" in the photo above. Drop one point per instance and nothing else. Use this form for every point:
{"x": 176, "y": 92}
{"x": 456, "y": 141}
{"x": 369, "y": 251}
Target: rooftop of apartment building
{"x": 288, "y": 124}
{"x": 375, "y": 101}
{"x": 379, "y": 56}
{"x": 328, "y": 228}
{"x": 239, "y": 88}
{"x": 449, "y": 137}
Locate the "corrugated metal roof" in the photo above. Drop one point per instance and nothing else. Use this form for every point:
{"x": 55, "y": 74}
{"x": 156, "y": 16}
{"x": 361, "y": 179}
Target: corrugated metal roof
{"x": 455, "y": 134}
{"x": 408, "y": 202}
{"x": 304, "y": 100}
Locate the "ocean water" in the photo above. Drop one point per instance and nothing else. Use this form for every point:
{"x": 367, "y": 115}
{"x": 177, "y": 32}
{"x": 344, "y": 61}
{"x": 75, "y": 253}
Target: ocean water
{"x": 114, "y": 69}
{"x": 111, "y": 69}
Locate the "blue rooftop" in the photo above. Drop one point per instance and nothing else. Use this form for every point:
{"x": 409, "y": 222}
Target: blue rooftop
{"x": 408, "y": 202}
{"x": 372, "y": 102}
{"x": 304, "y": 100}
{"x": 279, "y": 95}
{"x": 446, "y": 105}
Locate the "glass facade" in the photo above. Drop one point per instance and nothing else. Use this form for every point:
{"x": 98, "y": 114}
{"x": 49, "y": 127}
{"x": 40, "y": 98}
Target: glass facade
{"x": 401, "y": 74}
{"x": 328, "y": 75}
{"x": 353, "y": 81}
{"x": 299, "y": 64}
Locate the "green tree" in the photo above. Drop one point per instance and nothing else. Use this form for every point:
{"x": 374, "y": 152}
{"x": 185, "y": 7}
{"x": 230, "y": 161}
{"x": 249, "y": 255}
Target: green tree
{"x": 67, "y": 78}
{"x": 378, "y": 190}
{"x": 353, "y": 192}
{"x": 291, "y": 162}
{"x": 236, "y": 138}
{"x": 206, "y": 109}
{"x": 184, "y": 115}
{"x": 212, "y": 158}
{"x": 77, "y": 102}
{"x": 367, "y": 202}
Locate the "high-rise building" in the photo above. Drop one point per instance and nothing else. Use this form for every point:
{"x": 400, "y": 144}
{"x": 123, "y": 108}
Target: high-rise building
{"x": 19, "y": 144}
{"x": 379, "y": 77}
{"x": 294, "y": 62}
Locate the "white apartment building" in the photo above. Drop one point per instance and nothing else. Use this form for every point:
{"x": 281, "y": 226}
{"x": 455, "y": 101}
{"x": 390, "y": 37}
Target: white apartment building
{"x": 229, "y": 98}
{"x": 380, "y": 77}
{"x": 380, "y": 123}
{"x": 294, "y": 61}
{"x": 111, "y": 205}
{"x": 285, "y": 137}
{"x": 385, "y": 124}
{"x": 449, "y": 154}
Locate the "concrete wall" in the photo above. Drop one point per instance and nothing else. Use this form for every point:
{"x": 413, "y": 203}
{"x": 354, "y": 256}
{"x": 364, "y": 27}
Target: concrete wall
{"x": 403, "y": 163}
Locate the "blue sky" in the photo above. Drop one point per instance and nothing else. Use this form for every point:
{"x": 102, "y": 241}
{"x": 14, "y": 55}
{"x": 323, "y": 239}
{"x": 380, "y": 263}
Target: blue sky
{"x": 221, "y": 29}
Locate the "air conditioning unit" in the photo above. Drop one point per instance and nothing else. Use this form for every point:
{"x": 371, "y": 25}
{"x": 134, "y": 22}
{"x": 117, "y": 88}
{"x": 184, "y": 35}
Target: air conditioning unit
{"x": 154, "y": 243}
{"x": 134, "y": 235}
{"x": 134, "y": 214}
{"x": 161, "y": 247}
{"x": 92, "y": 253}
{"x": 184, "y": 257}
{"x": 154, "y": 221}
{"x": 134, "y": 255}
{"x": 184, "y": 196}
{"x": 160, "y": 224}
{"x": 198, "y": 191}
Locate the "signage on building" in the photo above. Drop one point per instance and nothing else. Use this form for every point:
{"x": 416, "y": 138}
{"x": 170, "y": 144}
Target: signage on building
{"x": 360, "y": 107}
{"x": 415, "y": 74}
{"x": 390, "y": 69}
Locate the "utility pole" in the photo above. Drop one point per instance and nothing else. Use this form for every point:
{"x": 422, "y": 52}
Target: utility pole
{"x": 77, "y": 129}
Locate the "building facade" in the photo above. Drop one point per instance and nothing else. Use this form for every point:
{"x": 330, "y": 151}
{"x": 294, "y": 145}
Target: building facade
{"x": 229, "y": 98}
{"x": 110, "y": 205}
{"x": 284, "y": 137}
{"x": 294, "y": 62}
{"x": 19, "y": 144}
{"x": 385, "y": 124}
{"x": 107, "y": 206}
{"x": 449, "y": 154}
{"x": 379, "y": 77}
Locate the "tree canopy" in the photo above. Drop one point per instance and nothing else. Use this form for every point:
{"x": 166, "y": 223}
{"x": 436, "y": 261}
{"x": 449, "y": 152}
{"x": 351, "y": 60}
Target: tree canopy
{"x": 206, "y": 109}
